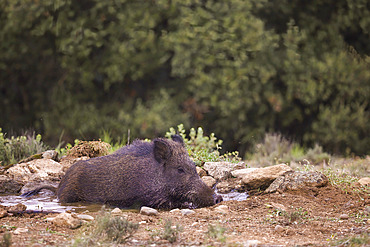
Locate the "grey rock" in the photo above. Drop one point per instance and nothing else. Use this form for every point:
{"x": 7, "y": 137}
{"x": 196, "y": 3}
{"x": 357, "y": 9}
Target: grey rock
{"x": 9, "y": 185}
{"x": 297, "y": 180}
{"x": 187, "y": 211}
{"x": 222, "y": 170}
{"x": 148, "y": 211}
{"x": 50, "y": 154}
{"x": 242, "y": 172}
{"x": 263, "y": 177}
{"x": 38, "y": 169}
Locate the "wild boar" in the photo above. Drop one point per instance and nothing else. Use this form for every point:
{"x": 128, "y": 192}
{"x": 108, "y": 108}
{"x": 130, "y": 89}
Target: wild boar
{"x": 157, "y": 174}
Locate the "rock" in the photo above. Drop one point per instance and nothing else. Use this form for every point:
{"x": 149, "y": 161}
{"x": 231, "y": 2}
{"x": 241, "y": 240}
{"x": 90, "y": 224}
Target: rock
{"x": 297, "y": 180}
{"x": 277, "y": 206}
{"x": 9, "y": 185}
{"x": 148, "y": 211}
{"x": 17, "y": 208}
{"x": 242, "y": 172}
{"x": 39, "y": 169}
{"x": 222, "y": 170}
{"x": 30, "y": 185}
{"x": 344, "y": 217}
{"x": 364, "y": 181}
{"x": 201, "y": 172}
{"x": 116, "y": 211}
{"x": 186, "y": 211}
{"x": 20, "y": 230}
{"x": 176, "y": 210}
{"x": 251, "y": 243}
{"x": 85, "y": 217}
{"x": 209, "y": 181}
{"x": 224, "y": 187}
{"x": 367, "y": 210}
{"x": 222, "y": 209}
{"x": 263, "y": 177}
{"x": 279, "y": 228}
{"x": 3, "y": 213}
{"x": 66, "y": 220}
{"x": 50, "y": 154}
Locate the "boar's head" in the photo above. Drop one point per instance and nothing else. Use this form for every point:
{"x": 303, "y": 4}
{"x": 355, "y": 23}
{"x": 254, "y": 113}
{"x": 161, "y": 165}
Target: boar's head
{"x": 183, "y": 186}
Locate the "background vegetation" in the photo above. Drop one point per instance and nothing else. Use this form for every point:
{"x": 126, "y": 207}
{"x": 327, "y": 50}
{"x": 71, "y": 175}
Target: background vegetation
{"x": 239, "y": 68}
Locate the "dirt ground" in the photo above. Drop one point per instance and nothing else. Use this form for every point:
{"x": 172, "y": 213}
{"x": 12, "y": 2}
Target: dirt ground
{"x": 327, "y": 216}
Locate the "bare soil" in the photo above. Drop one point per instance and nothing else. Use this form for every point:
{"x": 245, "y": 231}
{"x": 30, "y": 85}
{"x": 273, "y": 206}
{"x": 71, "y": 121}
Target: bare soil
{"x": 312, "y": 218}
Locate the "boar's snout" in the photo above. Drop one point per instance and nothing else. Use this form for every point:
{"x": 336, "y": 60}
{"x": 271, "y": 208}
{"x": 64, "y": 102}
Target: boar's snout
{"x": 217, "y": 198}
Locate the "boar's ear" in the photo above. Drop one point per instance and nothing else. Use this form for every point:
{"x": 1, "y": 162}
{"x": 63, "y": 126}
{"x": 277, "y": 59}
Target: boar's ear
{"x": 162, "y": 150}
{"x": 178, "y": 138}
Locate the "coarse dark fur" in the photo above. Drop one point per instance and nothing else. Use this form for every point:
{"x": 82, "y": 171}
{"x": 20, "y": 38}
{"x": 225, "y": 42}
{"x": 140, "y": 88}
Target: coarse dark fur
{"x": 157, "y": 174}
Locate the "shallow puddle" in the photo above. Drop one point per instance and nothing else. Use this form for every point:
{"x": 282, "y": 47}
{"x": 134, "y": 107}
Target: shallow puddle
{"x": 45, "y": 202}
{"x": 234, "y": 196}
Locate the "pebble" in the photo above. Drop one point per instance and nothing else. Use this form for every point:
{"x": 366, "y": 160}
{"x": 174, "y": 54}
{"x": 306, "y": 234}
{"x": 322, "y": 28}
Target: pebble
{"x": 187, "y": 211}
{"x": 344, "y": 217}
{"x": 3, "y": 213}
{"x": 20, "y": 230}
{"x": 176, "y": 210}
{"x": 364, "y": 181}
{"x": 222, "y": 209}
{"x": 367, "y": 210}
{"x": 148, "y": 211}
{"x": 85, "y": 217}
{"x": 251, "y": 243}
{"x": 279, "y": 228}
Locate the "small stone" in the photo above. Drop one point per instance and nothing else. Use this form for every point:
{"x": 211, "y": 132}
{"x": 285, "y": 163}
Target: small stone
{"x": 116, "y": 211}
{"x": 222, "y": 209}
{"x": 279, "y": 228}
{"x": 176, "y": 210}
{"x": 148, "y": 211}
{"x": 50, "y": 154}
{"x": 278, "y": 206}
{"x": 367, "y": 210}
{"x": 85, "y": 217}
{"x": 3, "y": 213}
{"x": 187, "y": 211}
{"x": 344, "y": 217}
{"x": 251, "y": 243}
{"x": 209, "y": 181}
{"x": 17, "y": 208}
{"x": 364, "y": 181}
{"x": 20, "y": 230}
{"x": 66, "y": 220}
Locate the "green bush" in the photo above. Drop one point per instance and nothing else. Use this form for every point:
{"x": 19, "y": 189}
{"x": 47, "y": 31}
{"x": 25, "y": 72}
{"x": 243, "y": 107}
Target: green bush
{"x": 203, "y": 148}
{"x": 17, "y": 148}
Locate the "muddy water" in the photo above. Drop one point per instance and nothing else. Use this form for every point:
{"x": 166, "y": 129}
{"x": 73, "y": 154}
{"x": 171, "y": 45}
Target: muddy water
{"x": 49, "y": 203}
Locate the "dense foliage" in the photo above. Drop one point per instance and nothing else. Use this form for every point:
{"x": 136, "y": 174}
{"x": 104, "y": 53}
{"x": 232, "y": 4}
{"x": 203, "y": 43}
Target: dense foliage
{"x": 239, "y": 68}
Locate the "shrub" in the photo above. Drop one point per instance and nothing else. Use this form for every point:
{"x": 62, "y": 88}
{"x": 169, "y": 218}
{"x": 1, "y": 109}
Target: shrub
{"x": 17, "y": 148}
{"x": 203, "y": 148}
{"x": 107, "y": 229}
{"x": 275, "y": 149}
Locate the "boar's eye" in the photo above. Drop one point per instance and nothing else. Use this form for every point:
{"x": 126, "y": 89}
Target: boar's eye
{"x": 180, "y": 170}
